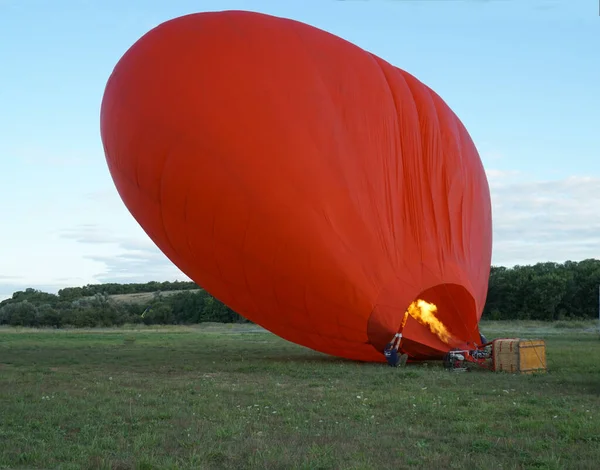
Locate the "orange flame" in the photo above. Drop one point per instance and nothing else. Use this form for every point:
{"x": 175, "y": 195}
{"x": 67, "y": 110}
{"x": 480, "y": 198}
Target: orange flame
{"x": 424, "y": 313}
{"x": 404, "y": 321}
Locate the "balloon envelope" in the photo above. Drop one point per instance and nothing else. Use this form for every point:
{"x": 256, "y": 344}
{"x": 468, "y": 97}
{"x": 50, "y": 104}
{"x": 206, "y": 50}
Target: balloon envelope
{"x": 308, "y": 184}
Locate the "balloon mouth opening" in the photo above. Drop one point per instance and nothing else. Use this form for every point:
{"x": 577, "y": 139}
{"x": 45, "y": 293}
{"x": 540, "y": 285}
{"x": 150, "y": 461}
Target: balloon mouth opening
{"x": 440, "y": 318}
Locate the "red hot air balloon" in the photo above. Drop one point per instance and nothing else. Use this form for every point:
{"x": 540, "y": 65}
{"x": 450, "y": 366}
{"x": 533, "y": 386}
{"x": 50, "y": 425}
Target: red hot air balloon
{"x": 308, "y": 184}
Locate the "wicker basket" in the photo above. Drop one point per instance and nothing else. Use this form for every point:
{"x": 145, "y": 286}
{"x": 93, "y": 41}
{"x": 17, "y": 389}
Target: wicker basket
{"x": 519, "y": 355}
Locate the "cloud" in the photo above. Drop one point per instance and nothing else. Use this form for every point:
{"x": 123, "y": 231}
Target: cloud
{"x": 131, "y": 267}
{"x": 544, "y": 220}
{"x": 132, "y": 259}
{"x": 89, "y": 234}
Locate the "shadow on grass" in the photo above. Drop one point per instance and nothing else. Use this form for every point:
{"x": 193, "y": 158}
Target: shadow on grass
{"x": 310, "y": 360}
{"x": 333, "y": 360}
{"x": 592, "y": 387}
{"x": 576, "y": 386}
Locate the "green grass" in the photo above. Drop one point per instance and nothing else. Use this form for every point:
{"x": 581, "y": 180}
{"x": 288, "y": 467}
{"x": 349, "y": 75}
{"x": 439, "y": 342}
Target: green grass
{"x": 218, "y": 397}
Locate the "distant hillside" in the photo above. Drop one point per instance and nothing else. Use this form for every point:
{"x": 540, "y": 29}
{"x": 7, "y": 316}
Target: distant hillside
{"x": 112, "y": 289}
{"x": 146, "y": 297}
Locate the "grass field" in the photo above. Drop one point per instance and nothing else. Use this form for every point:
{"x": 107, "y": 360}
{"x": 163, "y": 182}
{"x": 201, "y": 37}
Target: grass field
{"x": 236, "y": 397}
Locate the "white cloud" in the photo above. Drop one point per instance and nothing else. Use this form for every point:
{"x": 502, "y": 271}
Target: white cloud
{"x": 544, "y": 220}
{"x": 132, "y": 259}
{"x": 76, "y": 239}
{"x": 89, "y": 254}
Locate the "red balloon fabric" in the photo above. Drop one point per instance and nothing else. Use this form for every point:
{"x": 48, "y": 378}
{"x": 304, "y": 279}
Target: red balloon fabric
{"x": 308, "y": 184}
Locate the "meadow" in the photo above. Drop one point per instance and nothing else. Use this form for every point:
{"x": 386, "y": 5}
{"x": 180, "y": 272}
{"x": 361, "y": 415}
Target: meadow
{"x": 234, "y": 396}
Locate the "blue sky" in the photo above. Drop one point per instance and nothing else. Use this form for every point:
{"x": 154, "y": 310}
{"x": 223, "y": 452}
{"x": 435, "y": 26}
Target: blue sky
{"x": 523, "y": 75}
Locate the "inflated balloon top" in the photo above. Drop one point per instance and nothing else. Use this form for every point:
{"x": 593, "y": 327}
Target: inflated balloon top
{"x": 311, "y": 186}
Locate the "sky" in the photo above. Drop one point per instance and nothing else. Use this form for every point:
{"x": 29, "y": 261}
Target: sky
{"x": 522, "y": 75}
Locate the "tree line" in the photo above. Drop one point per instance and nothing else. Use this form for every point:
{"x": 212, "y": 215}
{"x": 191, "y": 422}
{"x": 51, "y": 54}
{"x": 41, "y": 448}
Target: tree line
{"x": 544, "y": 291}
{"x": 39, "y": 309}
